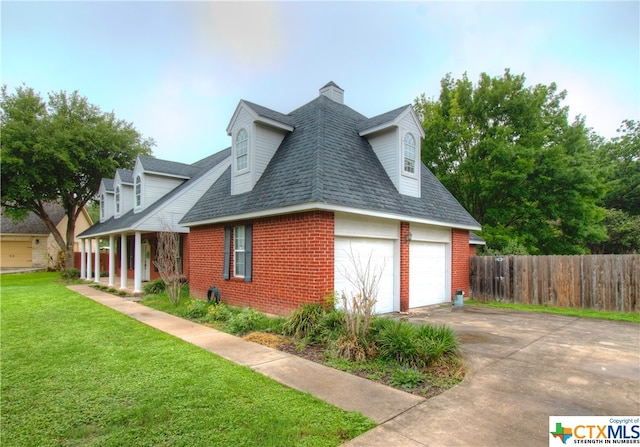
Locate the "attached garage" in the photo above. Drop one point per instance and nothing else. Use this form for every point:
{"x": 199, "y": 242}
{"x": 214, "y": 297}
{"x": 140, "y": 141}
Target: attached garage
{"x": 363, "y": 252}
{"x": 359, "y": 241}
{"x": 16, "y": 253}
{"x": 429, "y": 273}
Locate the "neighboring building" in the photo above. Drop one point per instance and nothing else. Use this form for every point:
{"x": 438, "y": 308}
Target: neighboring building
{"x": 474, "y": 241}
{"x": 281, "y": 217}
{"x": 30, "y": 244}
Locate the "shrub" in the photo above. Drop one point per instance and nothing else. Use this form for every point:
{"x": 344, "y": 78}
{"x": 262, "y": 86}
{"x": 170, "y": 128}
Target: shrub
{"x": 154, "y": 287}
{"x": 71, "y": 273}
{"x": 303, "y": 322}
{"x": 436, "y": 341}
{"x": 218, "y": 313}
{"x": 246, "y": 321}
{"x": 196, "y": 309}
{"x": 406, "y": 378}
{"x": 397, "y": 342}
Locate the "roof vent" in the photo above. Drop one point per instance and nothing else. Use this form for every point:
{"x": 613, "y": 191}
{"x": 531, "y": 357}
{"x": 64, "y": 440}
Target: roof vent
{"x": 333, "y": 92}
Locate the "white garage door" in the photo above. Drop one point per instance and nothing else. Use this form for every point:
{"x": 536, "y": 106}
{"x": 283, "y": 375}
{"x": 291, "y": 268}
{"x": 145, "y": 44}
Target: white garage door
{"x": 361, "y": 249}
{"x": 427, "y": 278}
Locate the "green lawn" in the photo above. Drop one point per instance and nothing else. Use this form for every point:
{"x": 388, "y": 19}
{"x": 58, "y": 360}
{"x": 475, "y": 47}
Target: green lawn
{"x": 582, "y": 313}
{"x": 76, "y": 373}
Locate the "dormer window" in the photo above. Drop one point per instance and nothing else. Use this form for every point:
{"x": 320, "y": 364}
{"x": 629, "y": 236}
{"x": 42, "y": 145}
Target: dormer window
{"x": 117, "y": 194}
{"x": 409, "y": 147}
{"x": 138, "y": 190}
{"x": 103, "y": 200}
{"x": 242, "y": 150}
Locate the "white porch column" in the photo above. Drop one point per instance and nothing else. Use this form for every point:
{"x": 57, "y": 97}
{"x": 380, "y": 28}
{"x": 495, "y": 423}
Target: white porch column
{"x": 112, "y": 260}
{"x": 83, "y": 260}
{"x": 137, "y": 269}
{"x": 123, "y": 261}
{"x": 97, "y": 266}
{"x": 89, "y": 276}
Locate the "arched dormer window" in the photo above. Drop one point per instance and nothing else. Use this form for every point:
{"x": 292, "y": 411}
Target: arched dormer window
{"x": 409, "y": 147}
{"x": 242, "y": 150}
{"x": 138, "y": 190}
{"x": 117, "y": 194}
{"x": 103, "y": 199}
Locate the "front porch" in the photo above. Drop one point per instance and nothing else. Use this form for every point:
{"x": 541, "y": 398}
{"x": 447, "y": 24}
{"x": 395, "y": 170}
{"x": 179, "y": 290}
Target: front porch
{"x": 119, "y": 261}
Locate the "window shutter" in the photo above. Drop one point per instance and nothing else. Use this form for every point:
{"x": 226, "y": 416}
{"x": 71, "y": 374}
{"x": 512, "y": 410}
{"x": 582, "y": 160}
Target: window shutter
{"x": 248, "y": 252}
{"x": 227, "y": 253}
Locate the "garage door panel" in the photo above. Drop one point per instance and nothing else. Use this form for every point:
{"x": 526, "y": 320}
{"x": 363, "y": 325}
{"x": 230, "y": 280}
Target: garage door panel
{"x": 16, "y": 254}
{"x": 379, "y": 253}
{"x": 428, "y": 276}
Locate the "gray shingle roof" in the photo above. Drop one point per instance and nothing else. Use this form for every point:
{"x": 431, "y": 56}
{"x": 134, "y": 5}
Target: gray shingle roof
{"x": 151, "y": 164}
{"x": 381, "y": 119}
{"x": 108, "y": 184}
{"x": 270, "y": 114}
{"x": 130, "y": 218}
{"x": 125, "y": 175}
{"x": 324, "y": 160}
{"x": 32, "y": 224}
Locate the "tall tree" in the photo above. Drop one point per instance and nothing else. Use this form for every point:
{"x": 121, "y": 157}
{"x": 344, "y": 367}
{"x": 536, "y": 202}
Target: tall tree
{"x": 510, "y": 156}
{"x": 622, "y": 156}
{"x": 58, "y": 151}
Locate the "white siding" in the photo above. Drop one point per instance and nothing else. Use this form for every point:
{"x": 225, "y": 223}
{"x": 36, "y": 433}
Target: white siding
{"x": 174, "y": 210}
{"x": 154, "y": 187}
{"x": 363, "y": 226}
{"x": 126, "y": 199}
{"x": 409, "y": 184}
{"x": 267, "y": 142}
{"x": 430, "y": 233}
{"x": 242, "y": 182}
{"x": 385, "y": 146}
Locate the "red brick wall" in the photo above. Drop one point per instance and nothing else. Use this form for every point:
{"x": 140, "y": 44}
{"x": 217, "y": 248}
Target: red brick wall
{"x": 472, "y": 250}
{"x": 459, "y": 261}
{"x": 404, "y": 267}
{"x": 293, "y": 262}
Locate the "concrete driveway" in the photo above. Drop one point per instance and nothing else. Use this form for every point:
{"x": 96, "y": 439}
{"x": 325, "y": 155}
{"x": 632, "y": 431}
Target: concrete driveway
{"x": 524, "y": 367}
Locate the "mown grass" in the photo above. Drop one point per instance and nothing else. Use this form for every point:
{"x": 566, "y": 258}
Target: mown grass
{"x": 76, "y": 373}
{"x": 582, "y": 313}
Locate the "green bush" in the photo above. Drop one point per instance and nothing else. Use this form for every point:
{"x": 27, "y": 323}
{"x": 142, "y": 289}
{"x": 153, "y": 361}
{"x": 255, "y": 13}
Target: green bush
{"x": 71, "y": 273}
{"x": 436, "y": 342}
{"x": 303, "y": 322}
{"x": 197, "y": 309}
{"x": 406, "y": 378}
{"x": 248, "y": 320}
{"x": 154, "y": 287}
{"x": 218, "y": 313}
{"x": 397, "y": 342}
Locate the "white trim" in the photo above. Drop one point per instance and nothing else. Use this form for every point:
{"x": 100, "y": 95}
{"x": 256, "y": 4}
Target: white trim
{"x": 314, "y": 206}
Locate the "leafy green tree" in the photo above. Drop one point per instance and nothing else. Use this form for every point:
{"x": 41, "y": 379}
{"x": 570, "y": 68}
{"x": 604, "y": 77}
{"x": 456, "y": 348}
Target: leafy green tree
{"x": 621, "y": 156}
{"x": 508, "y": 153}
{"x": 623, "y": 233}
{"x": 58, "y": 151}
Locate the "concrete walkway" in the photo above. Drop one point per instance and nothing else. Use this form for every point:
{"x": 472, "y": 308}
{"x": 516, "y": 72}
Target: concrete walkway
{"x": 341, "y": 389}
{"x": 524, "y": 367}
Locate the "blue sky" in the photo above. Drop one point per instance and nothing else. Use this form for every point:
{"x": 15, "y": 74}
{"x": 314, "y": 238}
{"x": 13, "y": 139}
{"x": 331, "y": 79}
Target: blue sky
{"x": 178, "y": 69}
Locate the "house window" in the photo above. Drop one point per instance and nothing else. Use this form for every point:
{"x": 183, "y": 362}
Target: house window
{"x": 117, "y": 200}
{"x": 242, "y": 148}
{"x": 238, "y": 242}
{"x": 409, "y": 154}
{"x": 102, "y": 201}
{"x": 238, "y": 251}
{"x": 138, "y": 190}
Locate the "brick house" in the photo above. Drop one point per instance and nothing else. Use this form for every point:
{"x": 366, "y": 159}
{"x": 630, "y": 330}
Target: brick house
{"x": 285, "y": 214}
{"x": 309, "y": 194}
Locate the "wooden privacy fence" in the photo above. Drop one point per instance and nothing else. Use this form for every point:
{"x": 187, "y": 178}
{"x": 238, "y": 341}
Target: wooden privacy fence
{"x": 602, "y": 282}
